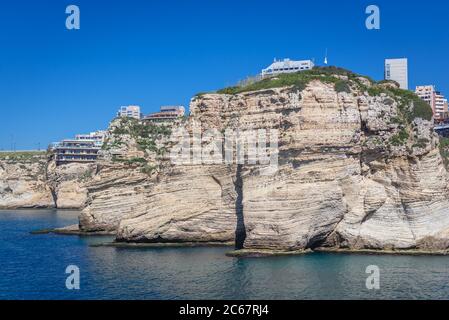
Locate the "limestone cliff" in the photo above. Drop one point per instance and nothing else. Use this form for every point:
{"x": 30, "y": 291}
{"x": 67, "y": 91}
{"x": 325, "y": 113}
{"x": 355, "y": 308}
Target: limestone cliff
{"x": 359, "y": 168}
{"x": 67, "y": 183}
{"x": 23, "y": 182}
{"x": 32, "y": 180}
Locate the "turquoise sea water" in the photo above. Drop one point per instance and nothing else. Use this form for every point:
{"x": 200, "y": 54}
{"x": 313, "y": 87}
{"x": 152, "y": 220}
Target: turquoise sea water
{"x": 33, "y": 267}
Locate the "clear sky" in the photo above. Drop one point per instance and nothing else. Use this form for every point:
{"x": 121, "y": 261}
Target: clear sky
{"x": 56, "y": 82}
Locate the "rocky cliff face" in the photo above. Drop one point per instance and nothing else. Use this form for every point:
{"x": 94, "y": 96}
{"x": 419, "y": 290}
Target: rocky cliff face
{"x": 34, "y": 181}
{"x": 23, "y": 183}
{"x": 67, "y": 183}
{"x": 357, "y": 170}
{"x": 142, "y": 197}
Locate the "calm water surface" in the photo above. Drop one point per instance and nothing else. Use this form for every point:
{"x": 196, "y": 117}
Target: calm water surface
{"x": 33, "y": 267}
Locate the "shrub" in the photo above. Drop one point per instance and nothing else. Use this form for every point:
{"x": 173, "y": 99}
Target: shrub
{"x": 397, "y": 120}
{"x": 421, "y": 143}
{"x": 342, "y": 86}
{"x": 148, "y": 169}
{"x": 399, "y": 138}
{"x": 412, "y": 106}
{"x": 130, "y": 161}
{"x": 421, "y": 110}
{"x": 146, "y": 144}
{"x": 375, "y": 90}
{"x": 85, "y": 176}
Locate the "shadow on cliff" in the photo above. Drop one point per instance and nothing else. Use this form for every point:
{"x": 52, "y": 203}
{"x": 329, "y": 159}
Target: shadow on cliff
{"x": 240, "y": 230}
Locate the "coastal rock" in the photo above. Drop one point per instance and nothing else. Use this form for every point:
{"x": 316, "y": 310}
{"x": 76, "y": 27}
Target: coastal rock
{"x": 343, "y": 180}
{"x": 23, "y": 184}
{"x": 358, "y": 168}
{"x": 67, "y": 183}
{"x": 187, "y": 204}
{"x": 36, "y": 182}
{"x": 116, "y": 193}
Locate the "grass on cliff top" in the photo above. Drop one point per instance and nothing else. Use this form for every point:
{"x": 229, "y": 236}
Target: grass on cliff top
{"x": 299, "y": 80}
{"x": 410, "y": 105}
{"x": 22, "y": 155}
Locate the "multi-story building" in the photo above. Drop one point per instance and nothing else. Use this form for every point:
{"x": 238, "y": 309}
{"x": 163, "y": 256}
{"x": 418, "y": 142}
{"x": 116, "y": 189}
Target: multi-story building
{"x": 69, "y": 151}
{"x": 435, "y": 99}
{"x": 130, "y": 112}
{"x": 441, "y": 107}
{"x": 427, "y": 93}
{"x": 83, "y": 149}
{"x": 97, "y": 136}
{"x": 166, "y": 114}
{"x": 287, "y": 66}
{"x": 397, "y": 70}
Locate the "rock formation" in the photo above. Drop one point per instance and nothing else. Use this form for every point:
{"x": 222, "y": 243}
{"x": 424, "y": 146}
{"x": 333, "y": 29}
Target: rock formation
{"x": 23, "y": 183}
{"x": 355, "y": 171}
{"x": 358, "y": 168}
{"x": 36, "y": 182}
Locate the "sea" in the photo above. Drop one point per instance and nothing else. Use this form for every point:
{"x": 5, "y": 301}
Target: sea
{"x": 61, "y": 267}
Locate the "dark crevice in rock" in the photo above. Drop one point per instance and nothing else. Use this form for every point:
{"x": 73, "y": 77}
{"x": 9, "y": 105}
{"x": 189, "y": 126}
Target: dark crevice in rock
{"x": 240, "y": 230}
{"x": 329, "y": 239}
{"x": 407, "y": 218}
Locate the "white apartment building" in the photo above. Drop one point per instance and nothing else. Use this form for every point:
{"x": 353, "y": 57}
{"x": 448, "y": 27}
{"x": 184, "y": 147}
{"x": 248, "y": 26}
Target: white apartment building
{"x": 397, "y": 70}
{"x": 287, "y": 66}
{"x": 98, "y": 137}
{"x": 441, "y": 107}
{"x": 427, "y": 93}
{"x": 130, "y": 112}
{"x": 435, "y": 99}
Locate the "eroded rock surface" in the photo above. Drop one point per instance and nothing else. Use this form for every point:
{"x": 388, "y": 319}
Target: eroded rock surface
{"x": 356, "y": 170}
{"x": 36, "y": 182}
{"x": 347, "y": 178}
{"x": 23, "y": 184}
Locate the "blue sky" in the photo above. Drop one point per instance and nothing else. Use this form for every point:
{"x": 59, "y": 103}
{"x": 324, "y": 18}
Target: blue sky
{"x": 55, "y": 83}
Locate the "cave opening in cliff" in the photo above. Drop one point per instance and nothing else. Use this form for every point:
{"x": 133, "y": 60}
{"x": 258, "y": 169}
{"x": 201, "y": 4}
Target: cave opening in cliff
{"x": 240, "y": 230}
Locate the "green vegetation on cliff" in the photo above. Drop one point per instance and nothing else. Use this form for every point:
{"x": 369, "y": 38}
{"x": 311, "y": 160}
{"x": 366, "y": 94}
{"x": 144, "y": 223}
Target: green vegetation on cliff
{"x": 23, "y": 155}
{"x": 299, "y": 80}
{"x": 410, "y": 105}
{"x": 400, "y": 138}
{"x": 342, "y": 86}
{"x": 137, "y": 129}
{"x": 145, "y": 134}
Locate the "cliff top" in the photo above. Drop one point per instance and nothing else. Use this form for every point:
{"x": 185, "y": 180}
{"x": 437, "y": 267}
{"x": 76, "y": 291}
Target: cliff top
{"x": 22, "y": 155}
{"x": 410, "y": 105}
